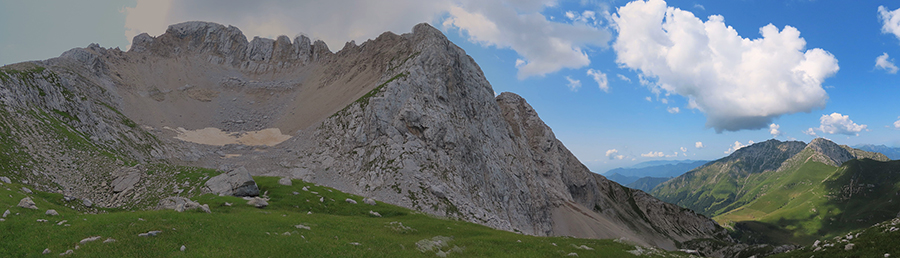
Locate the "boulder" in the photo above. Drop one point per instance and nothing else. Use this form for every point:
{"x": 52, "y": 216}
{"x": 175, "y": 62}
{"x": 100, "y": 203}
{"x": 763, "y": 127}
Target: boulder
{"x": 87, "y": 203}
{"x": 5, "y": 213}
{"x": 27, "y": 203}
{"x": 351, "y": 201}
{"x": 26, "y": 190}
{"x": 369, "y": 201}
{"x": 51, "y": 212}
{"x": 284, "y": 181}
{"x": 5, "y": 180}
{"x": 237, "y": 182}
{"x": 46, "y": 251}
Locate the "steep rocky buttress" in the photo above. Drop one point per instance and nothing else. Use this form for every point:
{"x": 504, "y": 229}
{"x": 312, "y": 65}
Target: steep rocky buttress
{"x": 407, "y": 119}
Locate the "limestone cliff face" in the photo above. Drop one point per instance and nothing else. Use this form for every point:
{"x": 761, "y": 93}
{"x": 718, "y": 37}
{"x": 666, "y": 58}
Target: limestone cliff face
{"x": 407, "y": 119}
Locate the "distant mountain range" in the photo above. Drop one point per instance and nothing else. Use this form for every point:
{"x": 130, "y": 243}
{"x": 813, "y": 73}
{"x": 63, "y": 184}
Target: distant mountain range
{"x": 892, "y": 153}
{"x": 654, "y": 169}
{"x": 791, "y": 192}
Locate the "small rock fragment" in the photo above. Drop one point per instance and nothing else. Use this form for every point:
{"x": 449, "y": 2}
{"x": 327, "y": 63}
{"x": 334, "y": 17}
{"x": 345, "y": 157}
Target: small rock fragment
{"x": 258, "y": 202}
{"x": 205, "y": 208}
{"x": 51, "y": 212}
{"x": 572, "y": 254}
{"x": 46, "y": 251}
{"x": 355, "y": 243}
{"x": 5, "y": 213}
{"x": 41, "y": 220}
{"x": 150, "y": 233}
{"x": 849, "y": 247}
{"x": 305, "y": 189}
{"x": 284, "y": 181}
{"x": 90, "y": 239}
{"x": 109, "y": 240}
{"x": 295, "y": 193}
{"x": 5, "y": 180}
{"x": 583, "y": 247}
{"x": 351, "y": 201}
{"x": 227, "y": 204}
{"x": 27, "y": 203}
{"x": 286, "y": 234}
{"x": 321, "y": 199}
{"x": 61, "y": 222}
{"x": 26, "y": 190}
{"x": 375, "y": 213}
{"x": 87, "y": 203}
{"x": 369, "y": 201}
{"x": 301, "y": 226}
{"x": 68, "y": 252}
{"x": 182, "y": 248}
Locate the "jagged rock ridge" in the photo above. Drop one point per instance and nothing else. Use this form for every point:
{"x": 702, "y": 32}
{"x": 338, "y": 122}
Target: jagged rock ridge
{"x": 407, "y": 119}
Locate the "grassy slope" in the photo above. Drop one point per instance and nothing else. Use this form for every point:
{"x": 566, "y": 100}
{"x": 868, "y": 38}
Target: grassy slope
{"x": 875, "y": 241}
{"x": 817, "y": 200}
{"x": 244, "y": 231}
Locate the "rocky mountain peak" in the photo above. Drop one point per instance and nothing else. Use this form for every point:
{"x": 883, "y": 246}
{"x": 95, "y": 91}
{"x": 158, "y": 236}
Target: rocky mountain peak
{"x": 829, "y": 152}
{"x": 764, "y": 156}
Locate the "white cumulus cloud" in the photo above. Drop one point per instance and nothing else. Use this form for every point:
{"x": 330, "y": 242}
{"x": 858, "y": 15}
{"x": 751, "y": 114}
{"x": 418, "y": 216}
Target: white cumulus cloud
{"x": 683, "y": 149}
{"x": 897, "y": 123}
{"x": 623, "y": 77}
{"x": 773, "y": 130}
{"x": 739, "y": 83}
{"x": 890, "y": 21}
{"x": 600, "y": 78}
{"x": 837, "y": 124}
{"x": 737, "y": 146}
{"x": 673, "y": 110}
{"x": 883, "y": 62}
{"x": 573, "y": 84}
{"x": 544, "y": 46}
{"x": 698, "y": 145}
{"x": 614, "y": 154}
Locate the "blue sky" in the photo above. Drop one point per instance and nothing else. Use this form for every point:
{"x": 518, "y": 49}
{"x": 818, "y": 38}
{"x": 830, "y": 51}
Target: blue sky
{"x": 677, "y": 72}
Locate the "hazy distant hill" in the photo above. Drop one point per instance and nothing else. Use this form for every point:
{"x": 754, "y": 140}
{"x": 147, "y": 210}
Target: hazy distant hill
{"x": 892, "y": 153}
{"x": 647, "y": 183}
{"x": 656, "y": 168}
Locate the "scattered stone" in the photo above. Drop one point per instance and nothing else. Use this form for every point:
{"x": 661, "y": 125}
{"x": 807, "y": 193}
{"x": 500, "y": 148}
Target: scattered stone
{"x": 109, "y": 240}
{"x": 26, "y": 190}
{"x": 351, "y": 201}
{"x": 61, "y": 222}
{"x": 295, "y": 193}
{"x": 227, "y": 204}
{"x": 816, "y": 243}
{"x": 887, "y": 255}
{"x": 572, "y": 254}
{"x": 126, "y": 178}
{"x": 89, "y": 239}
{"x": 68, "y": 252}
{"x": 27, "y": 203}
{"x": 258, "y": 202}
{"x": 286, "y": 233}
{"x": 2, "y": 219}
{"x": 6, "y": 213}
{"x": 301, "y": 226}
{"x": 321, "y": 199}
{"x": 51, "y": 212}
{"x": 205, "y": 208}
{"x": 375, "y": 213}
{"x": 369, "y": 201}
{"x": 237, "y": 182}
{"x": 309, "y": 213}
{"x": 554, "y": 244}
{"x": 284, "y": 181}
{"x": 183, "y": 248}
{"x": 583, "y": 247}
{"x": 41, "y": 220}
{"x": 5, "y": 180}
{"x": 87, "y": 203}
{"x": 849, "y": 247}
{"x": 150, "y": 233}
{"x": 305, "y": 189}
{"x": 355, "y": 243}
{"x": 181, "y": 204}
{"x": 69, "y": 198}
{"x": 46, "y": 251}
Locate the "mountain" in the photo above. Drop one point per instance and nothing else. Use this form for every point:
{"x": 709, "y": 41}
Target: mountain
{"x": 892, "y": 153}
{"x": 656, "y": 168}
{"x": 805, "y": 197}
{"x": 407, "y": 119}
{"x": 647, "y": 183}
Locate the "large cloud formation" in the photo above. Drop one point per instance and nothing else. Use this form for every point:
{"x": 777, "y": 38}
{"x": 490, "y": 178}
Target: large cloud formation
{"x": 890, "y": 21}
{"x": 544, "y": 45}
{"x": 739, "y": 83}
